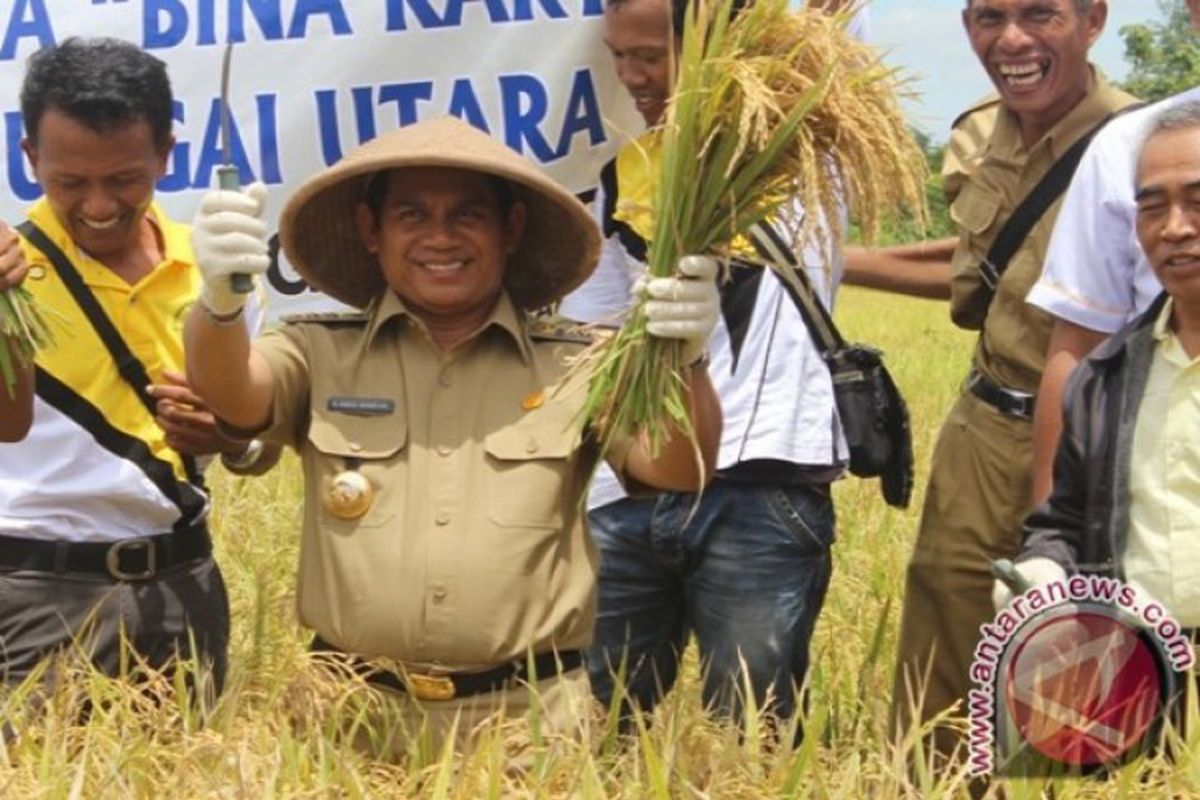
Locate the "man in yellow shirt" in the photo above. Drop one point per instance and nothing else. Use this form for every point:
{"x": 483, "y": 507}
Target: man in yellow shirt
{"x": 102, "y": 506}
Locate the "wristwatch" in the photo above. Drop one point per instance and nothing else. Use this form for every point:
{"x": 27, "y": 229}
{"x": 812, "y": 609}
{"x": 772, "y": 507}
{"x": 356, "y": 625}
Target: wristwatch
{"x": 254, "y": 450}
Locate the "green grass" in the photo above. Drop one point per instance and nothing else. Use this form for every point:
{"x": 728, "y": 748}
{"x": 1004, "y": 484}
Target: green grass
{"x": 275, "y": 732}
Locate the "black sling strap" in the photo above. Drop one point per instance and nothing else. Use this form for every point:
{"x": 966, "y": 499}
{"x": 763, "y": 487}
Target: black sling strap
{"x": 1051, "y": 187}
{"x": 774, "y": 250}
{"x": 131, "y": 370}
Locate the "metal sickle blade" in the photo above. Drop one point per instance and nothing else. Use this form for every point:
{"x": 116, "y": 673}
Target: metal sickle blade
{"x": 226, "y": 147}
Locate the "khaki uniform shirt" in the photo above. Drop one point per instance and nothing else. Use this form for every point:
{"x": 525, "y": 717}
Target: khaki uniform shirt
{"x": 474, "y": 549}
{"x": 987, "y": 172}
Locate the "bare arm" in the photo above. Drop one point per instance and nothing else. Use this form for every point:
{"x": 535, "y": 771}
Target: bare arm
{"x": 676, "y": 468}
{"x": 920, "y": 270}
{"x": 222, "y": 367}
{"x": 1069, "y": 343}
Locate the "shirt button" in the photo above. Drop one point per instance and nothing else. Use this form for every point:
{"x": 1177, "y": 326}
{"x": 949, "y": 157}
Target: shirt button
{"x": 531, "y": 446}
{"x": 442, "y": 519}
{"x": 439, "y": 593}
{"x": 443, "y": 450}
{"x": 355, "y": 447}
{"x": 444, "y": 379}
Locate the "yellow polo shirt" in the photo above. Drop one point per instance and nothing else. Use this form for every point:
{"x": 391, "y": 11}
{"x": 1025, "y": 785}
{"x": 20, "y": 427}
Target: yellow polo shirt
{"x": 96, "y": 466}
{"x": 1163, "y": 551}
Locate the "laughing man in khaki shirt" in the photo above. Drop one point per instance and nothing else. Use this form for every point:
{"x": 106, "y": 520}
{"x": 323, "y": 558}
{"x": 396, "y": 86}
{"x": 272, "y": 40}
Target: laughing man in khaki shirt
{"x": 444, "y": 534}
{"x": 1048, "y": 97}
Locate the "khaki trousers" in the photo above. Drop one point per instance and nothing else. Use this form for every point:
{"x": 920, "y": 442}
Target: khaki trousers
{"x": 978, "y": 496}
{"x": 559, "y": 707}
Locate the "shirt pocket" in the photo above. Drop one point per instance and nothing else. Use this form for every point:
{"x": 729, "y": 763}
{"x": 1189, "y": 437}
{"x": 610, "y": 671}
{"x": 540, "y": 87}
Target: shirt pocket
{"x": 530, "y": 470}
{"x": 975, "y": 209}
{"x": 374, "y": 447}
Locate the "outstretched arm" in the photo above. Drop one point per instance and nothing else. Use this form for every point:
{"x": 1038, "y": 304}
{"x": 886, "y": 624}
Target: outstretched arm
{"x": 919, "y": 270}
{"x": 228, "y": 236}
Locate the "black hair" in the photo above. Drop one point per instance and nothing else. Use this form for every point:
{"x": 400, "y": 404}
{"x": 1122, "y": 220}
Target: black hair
{"x": 102, "y": 83}
{"x": 377, "y": 188}
{"x": 679, "y": 10}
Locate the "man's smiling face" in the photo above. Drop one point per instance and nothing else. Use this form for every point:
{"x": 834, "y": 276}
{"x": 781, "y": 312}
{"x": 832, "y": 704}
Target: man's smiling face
{"x": 98, "y": 183}
{"x": 639, "y": 37}
{"x": 1036, "y": 52}
{"x": 442, "y": 237}
{"x": 1168, "y": 210}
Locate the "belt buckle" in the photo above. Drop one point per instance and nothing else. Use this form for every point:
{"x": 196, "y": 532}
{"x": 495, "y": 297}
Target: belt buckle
{"x": 429, "y": 687}
{"x": 112, "y": 559}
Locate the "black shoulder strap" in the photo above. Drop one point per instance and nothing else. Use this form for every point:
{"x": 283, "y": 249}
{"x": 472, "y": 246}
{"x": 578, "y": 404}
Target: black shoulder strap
{"x": 132, "y": 370}
{"x": 774, "y": 250}
{"x": 1051, "y": 187}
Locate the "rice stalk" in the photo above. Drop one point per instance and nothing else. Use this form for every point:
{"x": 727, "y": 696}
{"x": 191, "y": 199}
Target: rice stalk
{"x": 24, "y": 330}
{"x": 774, "y": 109}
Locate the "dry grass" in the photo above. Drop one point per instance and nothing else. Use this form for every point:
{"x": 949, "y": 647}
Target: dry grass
{"x": 277, "y": 731}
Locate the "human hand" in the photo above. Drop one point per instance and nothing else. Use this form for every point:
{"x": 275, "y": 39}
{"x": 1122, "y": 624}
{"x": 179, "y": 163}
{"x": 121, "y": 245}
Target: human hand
{"x": 1036, "y": 571}
{"x": 229, "y": 237}
{"x": 684, "y": 308}
{"x": 190, "y": 427}
{"x": 13, "y": 267}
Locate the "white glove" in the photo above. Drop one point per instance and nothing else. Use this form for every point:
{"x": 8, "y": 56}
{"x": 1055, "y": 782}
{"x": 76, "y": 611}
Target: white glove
{"x": 229, "y": 236}
{"x": 1038, "y": 571}
{"x": 684, "y": 308}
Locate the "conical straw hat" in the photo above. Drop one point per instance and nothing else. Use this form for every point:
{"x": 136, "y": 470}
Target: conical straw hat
{"x": 319, "y": 236}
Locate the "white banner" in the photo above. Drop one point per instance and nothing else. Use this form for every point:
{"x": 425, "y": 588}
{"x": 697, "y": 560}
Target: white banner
{"x": 311, "y": 79}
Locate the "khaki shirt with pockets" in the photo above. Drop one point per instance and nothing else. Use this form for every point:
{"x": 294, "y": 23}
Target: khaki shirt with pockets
{"x": 474, "y": 550}
{"x": 987, "y": 172}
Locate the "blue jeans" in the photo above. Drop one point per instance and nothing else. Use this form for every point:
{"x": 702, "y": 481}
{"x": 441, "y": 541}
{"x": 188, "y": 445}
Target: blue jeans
{"x": 746, "y": 574}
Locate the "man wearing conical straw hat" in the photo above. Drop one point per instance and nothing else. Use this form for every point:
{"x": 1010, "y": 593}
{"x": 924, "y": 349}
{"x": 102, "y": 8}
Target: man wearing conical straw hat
{"x": 444, "y": 546}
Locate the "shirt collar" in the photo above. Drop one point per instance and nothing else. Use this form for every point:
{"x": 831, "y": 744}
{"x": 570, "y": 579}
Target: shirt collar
{"x": 1162, "y": 323}
{"x": 505, "y": 317}
{"x": 1168, "y": 343}
{"x": 176, "y": 241}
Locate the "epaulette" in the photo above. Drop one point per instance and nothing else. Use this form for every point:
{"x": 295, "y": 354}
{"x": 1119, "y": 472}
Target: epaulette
{"x": 328, "y": 317}
{"x": 990, "y": 100}
{"x": 558, "y": 330}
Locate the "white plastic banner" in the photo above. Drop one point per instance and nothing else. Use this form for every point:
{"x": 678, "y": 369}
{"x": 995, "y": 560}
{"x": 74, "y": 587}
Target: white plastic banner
{"x": 311, "y": 79}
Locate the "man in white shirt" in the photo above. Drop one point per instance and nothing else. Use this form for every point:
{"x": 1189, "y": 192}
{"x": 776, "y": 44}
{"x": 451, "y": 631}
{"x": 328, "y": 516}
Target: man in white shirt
{"x": 1096, "y": 277}
{"x": 746, "y": 569}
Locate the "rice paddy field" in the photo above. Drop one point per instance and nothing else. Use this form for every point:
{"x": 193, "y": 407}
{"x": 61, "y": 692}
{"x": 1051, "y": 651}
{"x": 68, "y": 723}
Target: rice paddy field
{"x": 281, "y": 728}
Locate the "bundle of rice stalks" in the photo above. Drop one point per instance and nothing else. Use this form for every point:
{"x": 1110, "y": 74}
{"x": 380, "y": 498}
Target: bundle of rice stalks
{"x": 23, "y": 331}
{"x": 772, "y": 105}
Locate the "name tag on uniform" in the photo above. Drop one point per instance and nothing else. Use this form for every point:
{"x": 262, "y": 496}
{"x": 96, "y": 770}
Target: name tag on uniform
{"x": 363, "y": 406}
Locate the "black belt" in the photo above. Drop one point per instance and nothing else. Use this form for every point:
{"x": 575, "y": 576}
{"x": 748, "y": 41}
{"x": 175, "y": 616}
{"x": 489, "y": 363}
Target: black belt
{"x": 457, "y": 684}
{"x": 135, "y": 559}
{"x": 1007, "y": 401}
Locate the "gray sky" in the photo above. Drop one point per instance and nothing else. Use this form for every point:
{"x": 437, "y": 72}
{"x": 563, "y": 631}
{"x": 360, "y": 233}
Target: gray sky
{"x": 926, "y": 38}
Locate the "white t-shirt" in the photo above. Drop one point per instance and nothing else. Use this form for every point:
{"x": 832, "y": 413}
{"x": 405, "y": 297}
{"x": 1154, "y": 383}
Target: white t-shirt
{"x": 1096, "y": 274}
{"x": 775, "y": 390}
